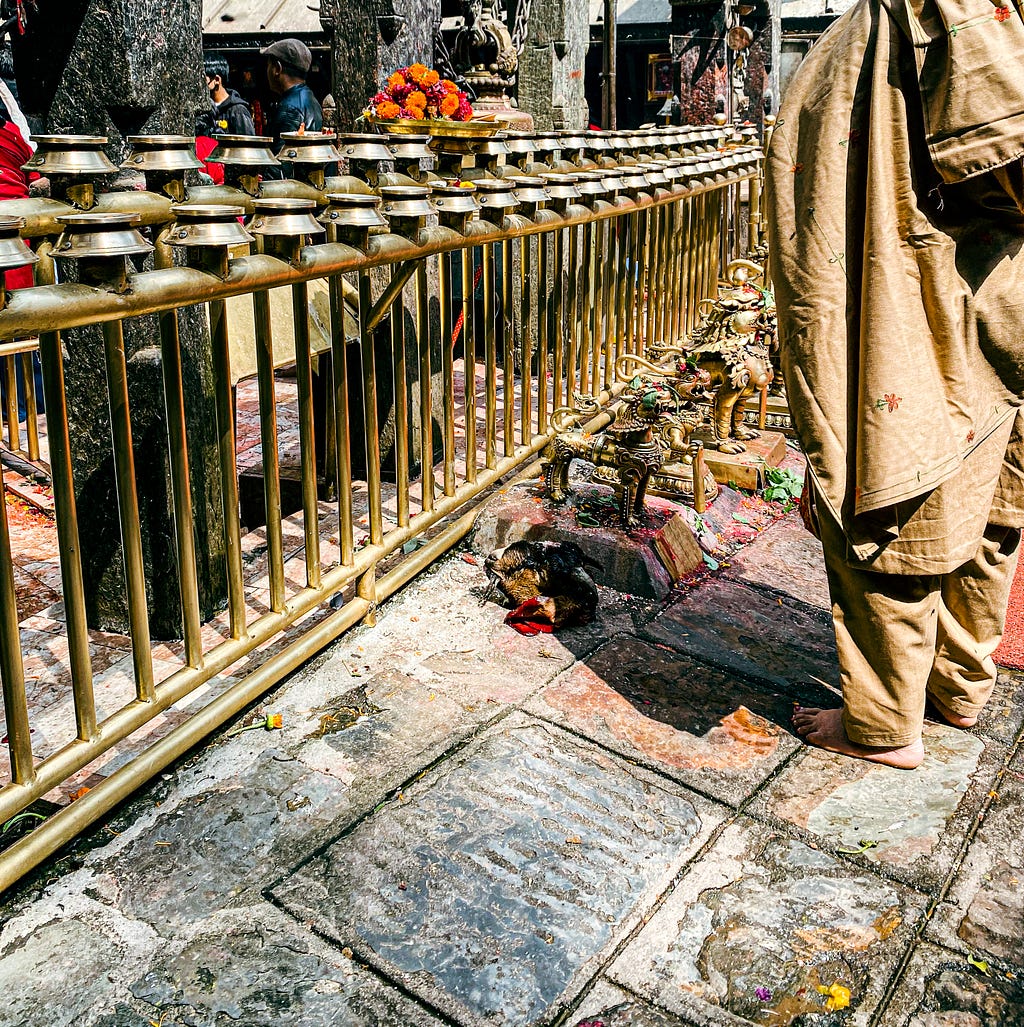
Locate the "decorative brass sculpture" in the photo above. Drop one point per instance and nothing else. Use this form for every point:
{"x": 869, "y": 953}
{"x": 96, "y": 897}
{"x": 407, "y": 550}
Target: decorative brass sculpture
{"x": 734, "y": 342}
{"x": 628, "y": 445}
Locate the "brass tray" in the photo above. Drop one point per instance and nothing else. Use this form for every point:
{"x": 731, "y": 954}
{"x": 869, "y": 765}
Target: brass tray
{"x": 475, "y": 128}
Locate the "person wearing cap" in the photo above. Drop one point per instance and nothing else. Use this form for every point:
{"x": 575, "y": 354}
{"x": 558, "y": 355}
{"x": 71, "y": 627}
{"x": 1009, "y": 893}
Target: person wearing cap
{"x": 288, "y": 62}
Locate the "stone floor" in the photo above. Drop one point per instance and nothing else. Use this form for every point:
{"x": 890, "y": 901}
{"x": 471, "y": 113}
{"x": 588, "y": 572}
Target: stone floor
{"x": 459, "y": 825}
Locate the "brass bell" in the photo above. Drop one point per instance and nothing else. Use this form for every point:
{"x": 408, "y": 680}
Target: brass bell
{"x": 529, "y": 190}
{"x": 243, "y": 151}
{"x": 405, "y": 201}
{"x": 590, "y": 183}
{"x": 560, "y": 187}
{"x": 99, "y": 235}
{"x": 197, "y": 224}
{"x": 653, "y": 172}
{"x": 408, "y": 147}
{"x": 13, "y": 251}
{"x": 69, "y": 155}
{"x": 308, "y": 148}
{"x": 496, "y": 146}
{"x": 634, "y": 180}
{"x": 454, "y": 199}
{"x": 284, "y": 216}
{"x": 495, "y": 194}
{"x": 353, "y": 210}
{"x": 519, "y": 143}
{"x": 161, "y": 153}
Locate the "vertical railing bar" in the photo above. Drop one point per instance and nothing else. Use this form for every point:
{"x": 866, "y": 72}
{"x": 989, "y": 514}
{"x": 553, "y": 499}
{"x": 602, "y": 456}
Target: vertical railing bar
{"x": 401, "y": 406}
{"x": 686, "y": 269}
{"x": 586, "y": 305}
{"x": 674, "y": 236}
{"x": 372, "y": 429}
{"x": 573, "y": 281}
{"x": 543, "y": 306}
{"x": 128, "y": 508}
{"x": 11, "y": 384}
{"x": 526, "y": 362}
{"x": 268, "y": 447}
{"x": 597, "y": 342}
{"x": 31, "y": 423}
{"x": 444, "y": 294}
{"x": 228, "y": 465}
{"x": 469, "y": 360}
{"x": 663, "y": 231}
{"x": 490, "y": 361}
{"x": 622, "y": 286}
{"x": 556, "y": 330}
{"x": 424, "y": 340}
{"x": 307, "y": 433}
{"x": 50, "y": 352}
{"x": 507, "y": 345}
{"x": 181, "y": 487}
{"x": 636, "y": 229}
{"x": 608, "y": 273}
{"x": 12, "y": 668}
{"x": 650, "y": 269}
{"x": 342, "y": 433}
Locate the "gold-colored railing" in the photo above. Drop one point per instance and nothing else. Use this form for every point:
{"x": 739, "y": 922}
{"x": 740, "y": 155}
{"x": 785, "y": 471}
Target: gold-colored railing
{"x": 577, "y": 287}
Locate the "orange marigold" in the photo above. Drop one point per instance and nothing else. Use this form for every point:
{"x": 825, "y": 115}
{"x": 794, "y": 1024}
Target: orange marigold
{"x": 449, "y": 105}
{"x": 417, "y": 113}
{"x": 388, "y": 109}
{"x": 416, "y": 72}
{"x": 430, "y": 79}
{"x": 395, "y": 80}
{"x": 449, "y": 86}
{"x": 416, "y": 99}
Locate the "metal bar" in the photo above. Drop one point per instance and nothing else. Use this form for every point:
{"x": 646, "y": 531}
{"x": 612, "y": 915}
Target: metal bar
{"x": 490, "y": 361}
{"x": 73, "y": 589}
{"x": 637, "y": 224}
{"x": 621, "y": 286}
{"x": 31, "y": 414}
{"x": 597, "y": 341}
{"x": 572, "y": 313}
{"x": 506, "y": 345}
{"x": 228, "y": 467}
{"x": 11, "y": 404}
{"x": 128, "y": 508}
{"x": 556, "y": 330}
{"x": 342, "y": 434}
{"x": 686, "y": 248}
{"x": 543, "y": 299}
{"x": 444, "y": 297}
{"x": 469, "y": 361}
{"x": 268, "y": 447}
{"x": 401, "y": 408}
{"x": 607, "y": 260}
{"x": 307, "y": 433}
{"x": 424, "y": 339}
{"x": 181, "y": 487}
{"x": 650, "y": 261}
{"x": 526, "y": 357}
{"x": 372, "y": 430}
{"x": 399, "y": 278}
{"x": 12, "y": 669}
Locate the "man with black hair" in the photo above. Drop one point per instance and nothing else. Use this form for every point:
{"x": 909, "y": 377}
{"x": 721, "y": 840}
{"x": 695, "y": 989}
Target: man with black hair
{"x": 288, "y": 63}
{"x": 230, "y": 112}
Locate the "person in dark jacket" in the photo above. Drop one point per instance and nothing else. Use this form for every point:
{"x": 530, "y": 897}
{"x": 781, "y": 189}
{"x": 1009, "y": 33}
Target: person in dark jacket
{"x": 231, "y": 114}
{"x": 288, "y": 62}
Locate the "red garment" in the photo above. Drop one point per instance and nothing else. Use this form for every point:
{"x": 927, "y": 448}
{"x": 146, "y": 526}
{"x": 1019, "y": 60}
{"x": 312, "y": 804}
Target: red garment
{"x": 204, "y": 147}
{"x": 14, "y": 152}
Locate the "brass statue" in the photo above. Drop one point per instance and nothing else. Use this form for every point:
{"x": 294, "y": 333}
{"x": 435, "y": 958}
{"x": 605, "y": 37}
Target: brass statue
{"x": 734, "y": 343}
{"x": 628, "y": 445}
{"x": 484, "y": 53}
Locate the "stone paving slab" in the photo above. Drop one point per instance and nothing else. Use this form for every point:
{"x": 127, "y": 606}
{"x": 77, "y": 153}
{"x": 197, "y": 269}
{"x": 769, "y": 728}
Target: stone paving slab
{"x": 494, "y": 887}
{"x": 983, "y": 912}
{"x": 789, "y": 559}
{"x": 609, "y": 1006}
{"x": 699, "y": 724}
{"x": 941, "y": 989}
{"x": 1003, "y": 718}
{"x": 760, "y": 910}
{"x": 918, "y": 819}
{"x": 751, "y": 631}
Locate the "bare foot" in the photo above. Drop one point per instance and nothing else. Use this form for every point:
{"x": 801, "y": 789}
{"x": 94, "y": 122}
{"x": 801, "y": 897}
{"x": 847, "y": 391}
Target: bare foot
{"x": 824, "y": 728}
{"x": 955, "y": 719}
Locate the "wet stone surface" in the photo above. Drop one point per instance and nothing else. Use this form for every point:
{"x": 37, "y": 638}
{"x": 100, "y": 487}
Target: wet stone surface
{"x": 751, "y": 631}
{"x": 214, "y": 847}
{"x": 760, "y": 923}
{"x": 940, "y": 989}
{"x": 272, "y": 979}
{"x": 789, "y": 559}
{"x": 983, "y": 912}
{"x": 917, "y": 820}
{"x": 697, "y": 723}
{"x": 493, "y": 887}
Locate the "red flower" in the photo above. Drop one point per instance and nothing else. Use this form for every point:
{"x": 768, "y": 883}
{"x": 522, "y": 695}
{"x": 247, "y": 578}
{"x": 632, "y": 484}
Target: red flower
{"x": 797, "y": 168}
{"x": 970, "y": 436}
{"x": 1002, "y": 14}
{"x": 465, "y": 111}
{"x": 893, "y": 400}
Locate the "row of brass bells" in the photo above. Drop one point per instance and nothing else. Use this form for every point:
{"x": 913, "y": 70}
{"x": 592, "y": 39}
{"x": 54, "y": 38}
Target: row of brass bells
{"x": 351, "y": 217}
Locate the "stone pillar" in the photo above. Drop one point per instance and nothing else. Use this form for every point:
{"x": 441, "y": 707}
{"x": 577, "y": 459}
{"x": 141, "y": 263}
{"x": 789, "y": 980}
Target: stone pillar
{"x": 551, "y": 65}
{"x": 370, "y": 41}
{"x": 117, "y": 68}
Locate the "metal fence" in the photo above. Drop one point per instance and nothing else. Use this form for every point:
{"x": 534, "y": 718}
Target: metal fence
{"x": 496, "y": 319}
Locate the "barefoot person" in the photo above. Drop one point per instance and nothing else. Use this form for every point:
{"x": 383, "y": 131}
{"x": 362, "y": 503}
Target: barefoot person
{"x": 896, "y": 185}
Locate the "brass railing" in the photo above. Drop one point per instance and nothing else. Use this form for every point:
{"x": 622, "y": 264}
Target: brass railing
{"x": 565, "y": 291}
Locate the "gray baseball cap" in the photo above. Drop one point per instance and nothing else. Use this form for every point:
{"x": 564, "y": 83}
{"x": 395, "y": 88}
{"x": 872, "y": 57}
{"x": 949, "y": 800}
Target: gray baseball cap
{"x": 290, "y": 51}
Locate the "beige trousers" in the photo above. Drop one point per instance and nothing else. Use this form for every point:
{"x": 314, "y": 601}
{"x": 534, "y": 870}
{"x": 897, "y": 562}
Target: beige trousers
{"x": 902, "y": 637}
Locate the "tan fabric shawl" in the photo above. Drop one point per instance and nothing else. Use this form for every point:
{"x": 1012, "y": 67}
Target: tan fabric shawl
{"x": 897, "y": 253}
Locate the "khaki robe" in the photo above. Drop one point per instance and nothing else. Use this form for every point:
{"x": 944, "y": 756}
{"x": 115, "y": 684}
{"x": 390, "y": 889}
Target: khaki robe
{"x": 896, "y": 218}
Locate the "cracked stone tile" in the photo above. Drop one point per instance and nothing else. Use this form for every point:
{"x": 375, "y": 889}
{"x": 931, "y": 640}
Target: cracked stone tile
{"x": 493, "y": 887}
{"x": 760, "y": 910}
{"x": 788, "y": 559}
{"x": 212, "y": 847}
{"x": 699, "y": 724}
{"x": 752, "y": 632}
{"x": 941, "y": 989}
{"x": 917, "y": 819}
{"x": 269, "y": 975}
{"x": 983, "y": 912}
